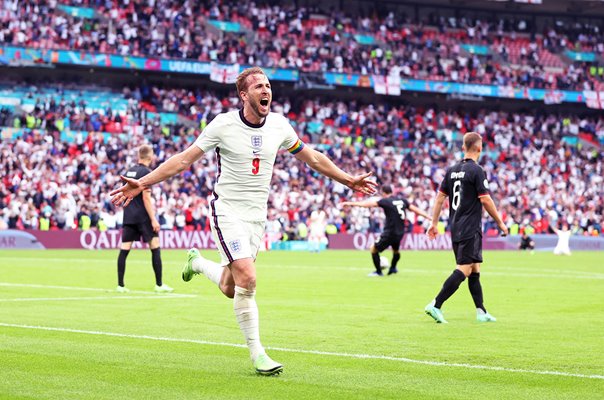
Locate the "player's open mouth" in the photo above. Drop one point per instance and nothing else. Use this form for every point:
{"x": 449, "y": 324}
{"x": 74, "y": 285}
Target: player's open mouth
{"x": 264, "y": 102}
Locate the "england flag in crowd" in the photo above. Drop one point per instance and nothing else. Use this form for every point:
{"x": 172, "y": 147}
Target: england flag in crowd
{"x": 390, "y": 85}
{"x": 553, "y": 97}
{"x": 224, "y": 73}
{"x": 594, "y": 99}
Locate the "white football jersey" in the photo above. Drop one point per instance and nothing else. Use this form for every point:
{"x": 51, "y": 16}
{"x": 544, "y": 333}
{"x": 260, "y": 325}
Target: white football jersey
{"x": 245, "y": 154}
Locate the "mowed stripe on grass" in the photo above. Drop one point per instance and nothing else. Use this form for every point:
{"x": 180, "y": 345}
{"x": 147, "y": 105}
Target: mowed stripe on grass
{"x": 316, "y": 352}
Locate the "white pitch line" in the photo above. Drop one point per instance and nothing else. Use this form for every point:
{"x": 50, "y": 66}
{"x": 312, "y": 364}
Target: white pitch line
{"x": 520, "y": 272}
{"x": 159, "y": 296}
{"x": 34, "y": 285}
{"x": 315, "y": 352}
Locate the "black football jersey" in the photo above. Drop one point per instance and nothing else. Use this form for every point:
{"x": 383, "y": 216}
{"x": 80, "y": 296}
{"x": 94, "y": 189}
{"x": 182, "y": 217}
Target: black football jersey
{"x": 135, "y": 212}
{"x": 465, "y": 183}
{"x": 395, "y": 209}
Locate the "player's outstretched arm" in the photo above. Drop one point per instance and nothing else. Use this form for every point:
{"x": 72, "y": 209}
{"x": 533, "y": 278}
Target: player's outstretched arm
{"x": 174, "y": 165}
{"x": 366, "y": 203}
{"x": 320, "y": 163}
{"x": 489, "y": 205}
{"x": 432, "y": 231}
{"x": 420, "y": 212}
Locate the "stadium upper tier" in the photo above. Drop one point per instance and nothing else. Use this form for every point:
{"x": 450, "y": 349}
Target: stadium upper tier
{"x": 466, "y": 50}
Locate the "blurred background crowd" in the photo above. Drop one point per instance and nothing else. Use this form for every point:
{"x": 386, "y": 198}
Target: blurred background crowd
{"x": 62, "y": 150}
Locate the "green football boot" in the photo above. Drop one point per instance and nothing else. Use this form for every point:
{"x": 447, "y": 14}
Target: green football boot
{"x": 485, "y": 317}
{"x": 187, "y": 270}
{"x": 163, "y": 289}
{"x": 435, "y": 313}
{"x": 266, "y": 366}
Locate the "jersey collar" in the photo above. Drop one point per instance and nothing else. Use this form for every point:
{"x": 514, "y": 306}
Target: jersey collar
{"x": 248, "y": 123}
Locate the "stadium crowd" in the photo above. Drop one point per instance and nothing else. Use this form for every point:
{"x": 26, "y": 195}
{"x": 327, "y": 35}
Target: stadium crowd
{"x": 520, "y": 53}
{"x": 543, "y": 168}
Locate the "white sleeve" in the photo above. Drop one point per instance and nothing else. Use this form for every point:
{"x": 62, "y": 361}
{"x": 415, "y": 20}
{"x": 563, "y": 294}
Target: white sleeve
{"x": 210, "y": 136}
{"x": 291, "y": 141}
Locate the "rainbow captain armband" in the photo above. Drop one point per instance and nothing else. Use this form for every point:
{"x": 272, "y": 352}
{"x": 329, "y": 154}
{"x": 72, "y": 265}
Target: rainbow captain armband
{"x": 296, "y": 148}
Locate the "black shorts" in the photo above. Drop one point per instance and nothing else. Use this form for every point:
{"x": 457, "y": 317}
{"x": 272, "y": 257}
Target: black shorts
{"x": 388, "y": 240}
{"x": 134, "y": 232}
{"x": 526, "y": 246}
{"x": 468, "y": 251}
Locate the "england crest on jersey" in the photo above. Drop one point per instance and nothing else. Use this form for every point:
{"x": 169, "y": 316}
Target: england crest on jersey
{"x": 256, "y": 141}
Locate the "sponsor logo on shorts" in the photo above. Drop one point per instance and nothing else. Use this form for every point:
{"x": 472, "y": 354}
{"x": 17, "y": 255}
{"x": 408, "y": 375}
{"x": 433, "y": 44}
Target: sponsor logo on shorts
{"x": 235, "y": 245}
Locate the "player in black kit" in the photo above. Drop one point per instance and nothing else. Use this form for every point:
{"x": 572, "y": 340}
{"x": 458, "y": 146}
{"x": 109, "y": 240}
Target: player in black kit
{"x": 394, "y": 228}
{"x": 526, "y": 242}
{"x": 140, "y": 221}
{"x": 467, "y": 187}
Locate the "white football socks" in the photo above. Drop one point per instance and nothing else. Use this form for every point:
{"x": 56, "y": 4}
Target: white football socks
{"x": 212, "y": 270}
{"x": 246, "y": 311}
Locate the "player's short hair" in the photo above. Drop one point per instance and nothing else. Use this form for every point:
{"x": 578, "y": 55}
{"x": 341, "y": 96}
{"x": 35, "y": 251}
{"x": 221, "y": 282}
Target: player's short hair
{"x": 144, "y": 152}
{"x": 387, "y": 189}
{"x": 241, "y": 82}
{"x": 470, "y": 140}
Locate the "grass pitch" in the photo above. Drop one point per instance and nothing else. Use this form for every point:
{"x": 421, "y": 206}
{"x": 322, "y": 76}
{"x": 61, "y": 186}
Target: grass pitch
{"x": 65, "y": 334}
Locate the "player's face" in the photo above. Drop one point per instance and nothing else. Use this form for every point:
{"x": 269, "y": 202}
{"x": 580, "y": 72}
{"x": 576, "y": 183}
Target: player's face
{"x": 257, "y": 99}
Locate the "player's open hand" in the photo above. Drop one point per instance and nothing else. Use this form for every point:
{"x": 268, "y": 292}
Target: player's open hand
{"x": 124, "y": 195}
{"x": 432, "y": 232}
{"x": 361, "y": 183}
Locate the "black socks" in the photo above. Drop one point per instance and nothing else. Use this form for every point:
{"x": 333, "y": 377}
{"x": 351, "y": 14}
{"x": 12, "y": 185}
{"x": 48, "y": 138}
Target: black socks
{"x": 376, "y": 262}
{"x": 476, "y": 290}
{"x": 156, "y": 260}
{"x": 121, "y": 266}
{"x": 449, "y": 287}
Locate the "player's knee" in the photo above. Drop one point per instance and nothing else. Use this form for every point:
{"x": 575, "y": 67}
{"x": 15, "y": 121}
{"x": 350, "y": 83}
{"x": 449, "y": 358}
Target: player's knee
{"x": 228, "y": 290}
{"x": 373, "y": 250}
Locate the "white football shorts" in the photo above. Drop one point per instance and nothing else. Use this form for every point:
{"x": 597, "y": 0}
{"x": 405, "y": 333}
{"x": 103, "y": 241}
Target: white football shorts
{"x": 236, "y": 239}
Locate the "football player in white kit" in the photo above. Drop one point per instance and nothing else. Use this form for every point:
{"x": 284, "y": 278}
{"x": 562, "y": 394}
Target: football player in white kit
{"x": 563, "y": 245}
{"x": 246, "y": 143}
{"x": 316, "y": 236}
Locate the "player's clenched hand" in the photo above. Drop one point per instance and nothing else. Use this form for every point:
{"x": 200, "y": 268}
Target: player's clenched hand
{"x": 155, "y": 225}
{"x": 124, "y": 195}
{"x": 504, "y": 230}
{"x": 432, "y": 232}
{"x": 361, "y": 183}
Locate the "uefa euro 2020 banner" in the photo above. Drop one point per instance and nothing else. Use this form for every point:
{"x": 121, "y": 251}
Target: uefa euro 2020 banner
{"x": 387, "y": 85}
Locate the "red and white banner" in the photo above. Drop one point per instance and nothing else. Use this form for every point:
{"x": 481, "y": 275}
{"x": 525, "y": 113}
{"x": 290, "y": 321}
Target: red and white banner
{"x": 594, "y": 99}
{"x": 389, "y": 85}
{"x": 224, "y": 73}
{"x": 553, "y": 97}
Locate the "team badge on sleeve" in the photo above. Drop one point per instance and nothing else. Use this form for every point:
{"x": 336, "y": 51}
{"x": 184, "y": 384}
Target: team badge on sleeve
{"x": 486, "y": 184}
